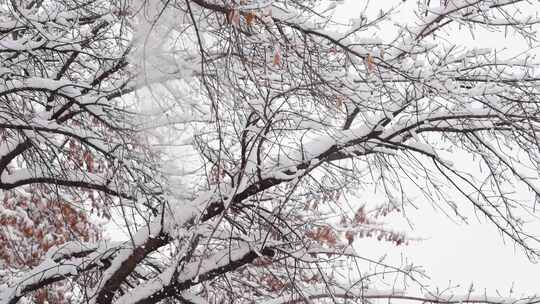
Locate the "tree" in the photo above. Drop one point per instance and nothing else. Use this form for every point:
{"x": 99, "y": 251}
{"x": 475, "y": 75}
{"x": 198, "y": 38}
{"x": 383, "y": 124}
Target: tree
{"x": 228, "y": 140}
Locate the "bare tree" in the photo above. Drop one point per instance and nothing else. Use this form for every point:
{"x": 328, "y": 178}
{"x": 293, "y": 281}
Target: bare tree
{"x": 228, "y": 139}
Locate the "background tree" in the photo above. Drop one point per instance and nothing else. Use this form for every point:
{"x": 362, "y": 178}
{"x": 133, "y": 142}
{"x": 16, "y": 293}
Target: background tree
{"x": 64, "y": 142}
{"x": 230, "y": 138}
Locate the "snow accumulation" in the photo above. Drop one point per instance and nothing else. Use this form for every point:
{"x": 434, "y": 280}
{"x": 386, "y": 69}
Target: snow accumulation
{"x": 189, "y": 272}
{"x": 350, "y": 292}
{"x": 319, "y": 144}
{"x": 60, "y": 262}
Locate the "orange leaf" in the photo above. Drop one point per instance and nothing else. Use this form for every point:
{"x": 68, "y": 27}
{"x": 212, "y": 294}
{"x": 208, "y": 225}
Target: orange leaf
{"x": 249, "y": 18}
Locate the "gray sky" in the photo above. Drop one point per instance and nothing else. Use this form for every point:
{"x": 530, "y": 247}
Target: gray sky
{"x": 453, "y": 253}
{"x": 462, "y": 254}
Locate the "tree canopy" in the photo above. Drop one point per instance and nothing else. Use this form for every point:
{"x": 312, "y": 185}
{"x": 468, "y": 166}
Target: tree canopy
{"x": 231, "y": 141}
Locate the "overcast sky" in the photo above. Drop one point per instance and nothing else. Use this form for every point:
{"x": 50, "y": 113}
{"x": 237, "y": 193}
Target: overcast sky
{"x": 451, "y": 252}
{"x": 455, "y": 254}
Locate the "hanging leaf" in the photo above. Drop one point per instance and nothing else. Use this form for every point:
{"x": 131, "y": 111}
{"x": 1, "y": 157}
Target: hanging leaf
{"x": 89, "y": 161}
{"x": 236, "y": 19}
{"x": 229, "y": 15}
{"x": 250, "y": 17}
{"x": 349, "y": 235}
{"x": 369, "y": 62}
{"x": 360, "y": 217}
{"x": 233, "y": 17}
{"x": 339, "y": 102}
{"x": 277, "y": 56}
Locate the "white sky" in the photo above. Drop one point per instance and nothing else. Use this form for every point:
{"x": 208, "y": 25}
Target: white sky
{"x": 459, "y": 254}
{"x": 453, "y": 253}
